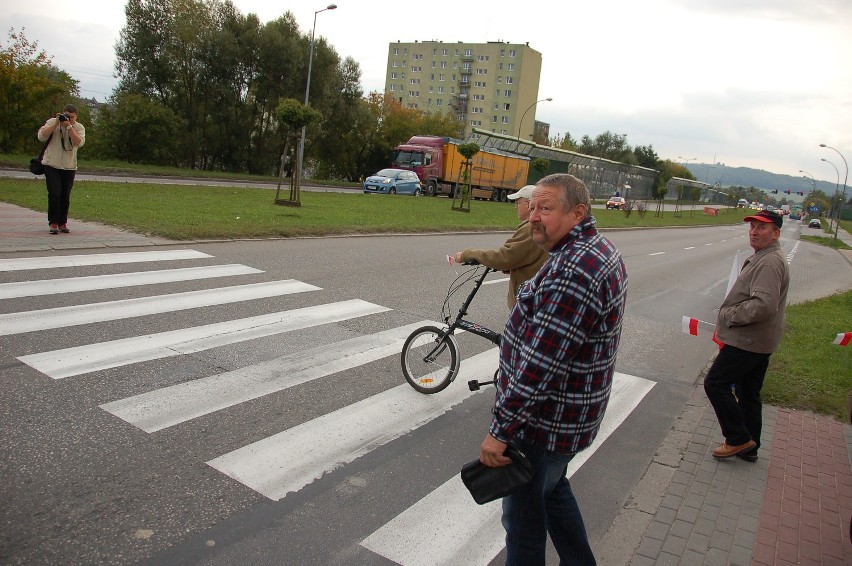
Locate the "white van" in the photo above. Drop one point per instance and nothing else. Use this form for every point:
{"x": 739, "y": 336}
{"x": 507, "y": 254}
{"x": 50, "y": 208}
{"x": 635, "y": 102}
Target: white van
{"x": 742, "y": 203}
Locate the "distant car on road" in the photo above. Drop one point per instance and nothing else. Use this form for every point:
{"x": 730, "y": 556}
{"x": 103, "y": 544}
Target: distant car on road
{"x": 393, "y": 181}
{"x": 615, "y": 202}
{"x": 795, "y": 216}
{"x": 815, "y": 223}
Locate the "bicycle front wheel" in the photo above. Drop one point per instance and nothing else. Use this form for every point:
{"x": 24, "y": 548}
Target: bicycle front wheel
{"x": 430, "y": 359}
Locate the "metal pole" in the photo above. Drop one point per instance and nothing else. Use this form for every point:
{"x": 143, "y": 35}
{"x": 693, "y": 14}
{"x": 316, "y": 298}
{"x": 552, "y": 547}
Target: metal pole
{"x": 837, "y": 185}
{"x": 308, "y": 88}
{"x": 521, "y": 123}
{"x": 845, "y": 179}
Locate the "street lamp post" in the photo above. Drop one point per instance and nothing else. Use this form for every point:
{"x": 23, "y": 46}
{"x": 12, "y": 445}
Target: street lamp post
{"x": 837, "y": 185}
{"x": 308, "y": 87}
{"x": 524, "y": 115}
{"x": 845, "y": 179}
{"x": 813, "y": 181}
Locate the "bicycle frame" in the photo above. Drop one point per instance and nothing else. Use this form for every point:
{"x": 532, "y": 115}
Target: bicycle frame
{"x": 472, "y": 327}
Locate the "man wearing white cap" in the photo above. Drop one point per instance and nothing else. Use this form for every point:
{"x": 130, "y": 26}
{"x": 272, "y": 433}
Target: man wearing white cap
{"x": 520, "y": 256}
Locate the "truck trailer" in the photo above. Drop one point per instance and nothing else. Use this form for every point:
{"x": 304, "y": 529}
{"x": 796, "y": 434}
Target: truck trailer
{"x": 494, "y": 174}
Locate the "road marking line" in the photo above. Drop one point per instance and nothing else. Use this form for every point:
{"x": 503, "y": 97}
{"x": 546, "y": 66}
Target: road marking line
{"x": 119, "y": 280}
{"x": 68, "y": 362}
{"x": 657, "y": 253}
{"x": 54, "y": 262}
{"x": 62, "y": 317}
{"x": 690, "y": 248}
{"x": 492, "y": 281}
{"x": 288, "y": 461}
{"x": 179, "y": 403}
{"x": 473, "y": 531}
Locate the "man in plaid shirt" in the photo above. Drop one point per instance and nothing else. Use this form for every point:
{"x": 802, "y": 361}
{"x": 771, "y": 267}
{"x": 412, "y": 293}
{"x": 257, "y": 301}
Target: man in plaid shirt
{"x": 557, "y": 360}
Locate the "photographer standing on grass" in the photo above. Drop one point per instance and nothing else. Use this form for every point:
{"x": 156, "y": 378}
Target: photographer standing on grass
{"x": 60, "y": 164}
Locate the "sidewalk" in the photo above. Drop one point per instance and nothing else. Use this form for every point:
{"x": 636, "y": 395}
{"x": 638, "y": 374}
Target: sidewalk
{"x": 25, "y": 230}
{"x": 793, "y": 506}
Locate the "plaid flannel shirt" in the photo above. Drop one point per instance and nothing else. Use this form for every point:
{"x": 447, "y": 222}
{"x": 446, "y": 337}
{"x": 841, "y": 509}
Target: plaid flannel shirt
{"x": 557, "y": 355}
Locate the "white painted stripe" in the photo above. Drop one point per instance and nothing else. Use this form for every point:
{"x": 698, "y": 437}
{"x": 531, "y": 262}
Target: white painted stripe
{"x": 690, "y": 248}
{"x": 54, "y": 262}
{"x": 709, "y": 244}
{"x": 118, "y": 280}
{"x": 472, "y": 533}
{"x": 657, "y": 253}
{"x": 292, "y": 459}
{"x": 62, "y": 317}
{"x": 68, "y": 362}
{"x": 173, "y": 405}
{"x": 492, "y": 281}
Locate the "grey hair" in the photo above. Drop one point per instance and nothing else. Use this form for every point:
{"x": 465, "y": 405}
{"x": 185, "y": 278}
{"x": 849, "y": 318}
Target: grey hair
{"x": 574, "y": 190}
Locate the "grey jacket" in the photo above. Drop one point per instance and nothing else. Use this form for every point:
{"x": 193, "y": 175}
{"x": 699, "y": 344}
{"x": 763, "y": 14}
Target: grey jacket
{"x": 752, "y": 315}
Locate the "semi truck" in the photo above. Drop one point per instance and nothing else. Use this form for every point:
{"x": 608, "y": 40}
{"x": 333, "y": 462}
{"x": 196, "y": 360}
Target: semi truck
{"x": 494, "y": 174}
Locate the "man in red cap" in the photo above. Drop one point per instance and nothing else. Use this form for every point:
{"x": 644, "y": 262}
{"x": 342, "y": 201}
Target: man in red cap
{"x": 750, "y": 325}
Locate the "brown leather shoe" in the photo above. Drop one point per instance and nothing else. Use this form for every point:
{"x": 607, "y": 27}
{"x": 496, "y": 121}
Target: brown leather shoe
{"x": 726, "y": 450}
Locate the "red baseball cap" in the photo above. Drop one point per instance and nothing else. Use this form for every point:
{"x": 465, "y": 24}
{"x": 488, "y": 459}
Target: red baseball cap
{"x": 766, "y": 216}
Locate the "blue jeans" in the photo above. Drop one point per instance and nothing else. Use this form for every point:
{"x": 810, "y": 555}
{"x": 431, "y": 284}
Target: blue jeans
{"x": 545, "y": 505}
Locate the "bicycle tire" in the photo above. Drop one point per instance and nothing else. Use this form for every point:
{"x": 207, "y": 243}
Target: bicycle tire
{"x": 435, "y": 374}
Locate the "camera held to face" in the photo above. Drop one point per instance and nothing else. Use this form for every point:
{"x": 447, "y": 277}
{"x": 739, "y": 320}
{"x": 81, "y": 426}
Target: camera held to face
{"x": 63, "y": 117}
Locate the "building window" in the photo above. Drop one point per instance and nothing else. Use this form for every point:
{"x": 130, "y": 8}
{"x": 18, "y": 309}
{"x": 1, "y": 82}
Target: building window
{"x": 439, "y": 102}
{"x": 500, "y": 66}
{"x": 440, "y": 90}
{"x": 494, "y": 119}
{"x": 511, "y": 66}
{"x": 433, "y": 64}
{"x": 443, "y": 52}
{"x": 394, "y": 63}
{"x": 476, "y": 110}
{"x": 443, "y": 64}
{"x": 440, "y": 77}
{"x": 506, "y": 107}
{"x": 393, "y": 75}
{"x": 468, "y": 52}
{"x": 393, "y": 88}
{"x": 482, "y": 71}
{"x": 508, "y": 80}
{"x": 502, "y": 53}
{"x": 396, "y": 50}
{"x": 482, "y": 58}
{"x": 505, "y": 119}
{"x": 417, "y": 56}
{"x": 508, "y": 94}
{"x": 431, "y": 87}
{"x": 499, "y": 80}
{"x": 512, "y": 53}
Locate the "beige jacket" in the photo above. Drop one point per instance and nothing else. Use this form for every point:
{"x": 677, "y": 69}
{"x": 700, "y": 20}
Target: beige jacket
{"x": 56, "y": 155}
{"x": 520, "y": 256}
{"x": 752, "y": 315}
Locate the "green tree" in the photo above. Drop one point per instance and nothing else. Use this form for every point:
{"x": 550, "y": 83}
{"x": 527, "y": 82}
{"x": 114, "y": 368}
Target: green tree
{"x": 139, "y": 129}
{"x": 646, "y": 156}
{"x": 609, "y": 146}
{"x": 31, "y": 90}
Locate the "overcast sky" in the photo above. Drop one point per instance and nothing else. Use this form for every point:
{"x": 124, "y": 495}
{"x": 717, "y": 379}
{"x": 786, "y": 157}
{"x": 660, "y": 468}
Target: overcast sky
{"x": 753, "y": 83}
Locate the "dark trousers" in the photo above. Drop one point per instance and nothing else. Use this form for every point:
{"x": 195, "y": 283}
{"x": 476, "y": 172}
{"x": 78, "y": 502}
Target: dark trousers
{"x": 733, "y": 386}
{"x": 59, "y": 185}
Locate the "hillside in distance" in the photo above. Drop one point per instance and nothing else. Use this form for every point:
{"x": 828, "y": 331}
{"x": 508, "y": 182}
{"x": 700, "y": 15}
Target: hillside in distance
{"x": 758, "y": 178}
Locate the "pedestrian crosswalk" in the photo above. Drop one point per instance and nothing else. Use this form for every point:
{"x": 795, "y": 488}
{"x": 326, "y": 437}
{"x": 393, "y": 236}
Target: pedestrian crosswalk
{"x": 288, "y": 460}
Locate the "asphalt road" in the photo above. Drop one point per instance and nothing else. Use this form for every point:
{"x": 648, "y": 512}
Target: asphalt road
{"x": 205, "y": 429}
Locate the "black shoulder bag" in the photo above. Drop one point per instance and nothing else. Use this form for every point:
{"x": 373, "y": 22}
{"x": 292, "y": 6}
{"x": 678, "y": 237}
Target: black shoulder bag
{"x": 36, "y": 166}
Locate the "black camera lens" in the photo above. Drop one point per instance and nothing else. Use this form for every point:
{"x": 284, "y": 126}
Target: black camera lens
{"x": 63, "y": 118}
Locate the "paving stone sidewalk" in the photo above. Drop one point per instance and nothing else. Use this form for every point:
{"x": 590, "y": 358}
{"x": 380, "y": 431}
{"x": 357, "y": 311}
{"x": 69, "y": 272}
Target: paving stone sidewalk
{"x": 793, "y": 506}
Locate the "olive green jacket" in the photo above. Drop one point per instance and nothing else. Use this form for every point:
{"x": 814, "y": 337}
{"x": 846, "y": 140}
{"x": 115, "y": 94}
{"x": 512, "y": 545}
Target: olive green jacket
{"x": 520, "y": 256}
{"x": 752, "y": 315}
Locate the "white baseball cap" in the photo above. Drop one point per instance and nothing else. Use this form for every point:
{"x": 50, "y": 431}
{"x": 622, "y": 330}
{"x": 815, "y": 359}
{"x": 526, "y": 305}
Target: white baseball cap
{"x": 523, "y": 192}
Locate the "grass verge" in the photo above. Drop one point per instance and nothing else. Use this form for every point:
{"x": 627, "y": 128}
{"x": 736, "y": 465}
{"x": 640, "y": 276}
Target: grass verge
{"x": 809, "y": 372}
{"x": 197, "y": 213}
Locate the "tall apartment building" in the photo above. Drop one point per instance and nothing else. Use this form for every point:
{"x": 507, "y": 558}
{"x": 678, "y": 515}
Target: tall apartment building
{"x": 492, "y": 86}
